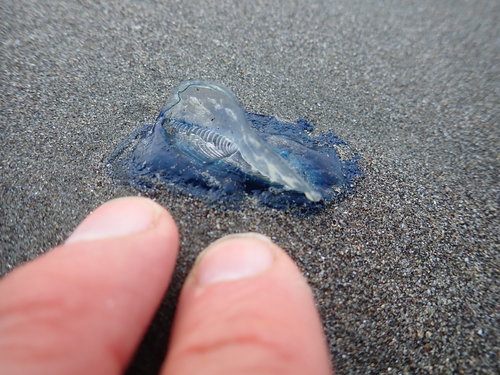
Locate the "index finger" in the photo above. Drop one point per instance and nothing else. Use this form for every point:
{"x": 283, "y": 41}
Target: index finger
{"x": 83, "y": 307}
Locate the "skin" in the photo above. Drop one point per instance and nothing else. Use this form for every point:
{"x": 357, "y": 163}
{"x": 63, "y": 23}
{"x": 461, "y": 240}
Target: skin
{"x": 84, "y": 306}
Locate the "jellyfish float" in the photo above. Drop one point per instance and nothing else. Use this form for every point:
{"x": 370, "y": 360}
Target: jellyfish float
{"x": 205, "y": 144}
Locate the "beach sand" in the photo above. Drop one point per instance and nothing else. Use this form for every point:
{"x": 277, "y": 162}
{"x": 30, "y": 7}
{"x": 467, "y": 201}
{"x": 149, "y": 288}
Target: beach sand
{"x": 404, "y": 270}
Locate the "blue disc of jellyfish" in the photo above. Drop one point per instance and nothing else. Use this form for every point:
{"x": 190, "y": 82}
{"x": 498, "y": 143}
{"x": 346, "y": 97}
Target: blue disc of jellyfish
{"x": 203, "y": 143}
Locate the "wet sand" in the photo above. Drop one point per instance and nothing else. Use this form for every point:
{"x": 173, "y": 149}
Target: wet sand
{"x": 404, "y": 269}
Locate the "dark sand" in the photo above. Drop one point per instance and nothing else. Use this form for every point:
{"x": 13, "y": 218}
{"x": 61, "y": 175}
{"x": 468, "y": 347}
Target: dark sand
{"x": 404, "y": 270}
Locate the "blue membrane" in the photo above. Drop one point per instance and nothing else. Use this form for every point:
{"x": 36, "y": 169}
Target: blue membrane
{"x": 205, "y": 145}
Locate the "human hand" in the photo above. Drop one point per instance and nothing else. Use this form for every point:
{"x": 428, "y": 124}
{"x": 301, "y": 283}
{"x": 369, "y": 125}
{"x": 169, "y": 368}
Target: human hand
{"x": 83, "y": 307}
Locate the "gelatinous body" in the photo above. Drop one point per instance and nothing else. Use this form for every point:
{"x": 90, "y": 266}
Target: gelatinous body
{"x": 205, "y": 144}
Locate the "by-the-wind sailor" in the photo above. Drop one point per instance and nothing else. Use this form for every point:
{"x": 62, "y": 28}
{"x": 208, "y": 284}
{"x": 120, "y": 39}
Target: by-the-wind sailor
{"x": 203, "y": 143}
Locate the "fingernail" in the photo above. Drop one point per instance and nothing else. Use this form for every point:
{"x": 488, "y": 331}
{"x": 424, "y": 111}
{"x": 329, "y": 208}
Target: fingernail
{"x": 117, "y": 218}
{"x": 235, "y": 257}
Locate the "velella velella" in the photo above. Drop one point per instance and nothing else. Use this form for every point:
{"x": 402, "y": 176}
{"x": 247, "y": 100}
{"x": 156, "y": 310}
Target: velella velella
{"x": 205, "y": 144}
